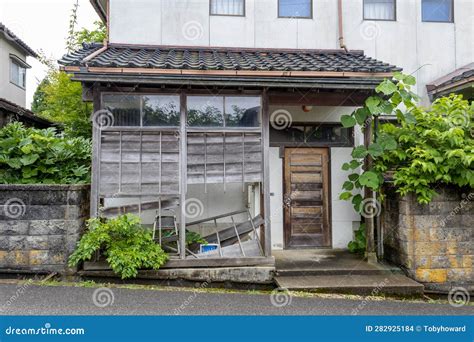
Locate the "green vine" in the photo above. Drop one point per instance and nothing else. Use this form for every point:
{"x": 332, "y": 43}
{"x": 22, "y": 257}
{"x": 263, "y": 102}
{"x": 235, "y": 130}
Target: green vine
{"x": 426, "y": 148}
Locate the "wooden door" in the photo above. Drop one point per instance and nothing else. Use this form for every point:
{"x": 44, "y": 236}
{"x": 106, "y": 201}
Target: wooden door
{"x": 306, "y": 198}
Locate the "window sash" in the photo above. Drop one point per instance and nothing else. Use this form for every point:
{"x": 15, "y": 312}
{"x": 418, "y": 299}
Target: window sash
{"x": 300, "y": 9}
{"x": 379, "y": 10}
{"x": 17, "y": 74}
{"x": 228, "y": 7}
{"x": 437, "y": 10}
{"x": 239, "y": 112}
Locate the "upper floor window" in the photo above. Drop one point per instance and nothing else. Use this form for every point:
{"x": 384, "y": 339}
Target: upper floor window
{"x": 295, "y": 9}
{"x": 18, "y": 72}
{"x": 228, "y": 7}
{"x": 379, "y": 10}
{"x": 437, "y": 10}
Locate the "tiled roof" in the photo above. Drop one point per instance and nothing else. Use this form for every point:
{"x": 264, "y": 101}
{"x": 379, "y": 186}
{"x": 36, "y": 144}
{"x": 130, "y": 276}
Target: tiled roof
{"x": 208, "y": 58}
{"x": 24, "y": 114}
{"x": 457, "y": 75}
{"x": 9, "y": 35}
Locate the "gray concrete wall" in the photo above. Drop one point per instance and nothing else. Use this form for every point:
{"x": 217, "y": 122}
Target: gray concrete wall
{"x": 40, "y": 226}
{"x": 435, "y": 242}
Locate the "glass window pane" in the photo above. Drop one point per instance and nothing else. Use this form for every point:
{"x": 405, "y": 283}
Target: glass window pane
{"x": 161, "y": 110}
{"x": 125, "y": 109}
{"x": 379, "y": 9}
{"x": 14, "y": 73}
{"x": 437, "y": 10}
{"x": 291, "y": 134}
{"x": 22, "y": 76}
{"x": 329, "y": 134}
{"x": 227, "y": 7}
{"x": 242, "y": 111}
{"x": 294, "y": 9}
{"x": 205, "y": 111}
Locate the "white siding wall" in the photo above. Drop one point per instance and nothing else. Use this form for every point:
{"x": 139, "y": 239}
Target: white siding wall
{"x": 343, "y": 214}
{"x": 8, "y": 90}
{"x": 429, "y": 50}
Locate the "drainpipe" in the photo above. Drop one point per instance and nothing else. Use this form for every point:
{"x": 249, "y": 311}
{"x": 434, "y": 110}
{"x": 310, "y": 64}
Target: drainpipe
{"x": 341, "y": 26}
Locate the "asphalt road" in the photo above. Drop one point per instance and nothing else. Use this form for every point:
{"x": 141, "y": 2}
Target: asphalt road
{"x": 54, "y": 300}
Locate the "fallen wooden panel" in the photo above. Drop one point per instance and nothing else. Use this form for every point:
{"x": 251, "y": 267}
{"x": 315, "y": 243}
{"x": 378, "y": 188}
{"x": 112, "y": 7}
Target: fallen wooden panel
{"x": 251, "y": 249}
{"x": 228, "y": 236}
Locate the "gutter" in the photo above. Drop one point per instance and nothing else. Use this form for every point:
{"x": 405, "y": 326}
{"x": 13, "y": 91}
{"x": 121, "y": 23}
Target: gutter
{"x": 342, "y": 45}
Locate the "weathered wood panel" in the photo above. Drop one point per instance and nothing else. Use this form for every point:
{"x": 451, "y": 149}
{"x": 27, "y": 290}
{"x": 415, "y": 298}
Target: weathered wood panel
{"x": 215, "y": 158}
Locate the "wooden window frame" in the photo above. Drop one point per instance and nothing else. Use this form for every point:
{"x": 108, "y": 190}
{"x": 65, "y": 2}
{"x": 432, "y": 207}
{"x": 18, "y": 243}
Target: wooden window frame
{"x": 141, "y": 95}
{"x": 395, "y": 8}
{"x": 228, "y": 15}
{"x": 224, "y": 128}
{"x": 315, "y": 143}
{"x": 438, "y": 21}
{"x": 311, "y": 16}
{"x": 21, "y": 64}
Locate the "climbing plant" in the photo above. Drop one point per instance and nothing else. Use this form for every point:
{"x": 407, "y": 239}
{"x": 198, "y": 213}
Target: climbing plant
{"x": 425, "y": 148}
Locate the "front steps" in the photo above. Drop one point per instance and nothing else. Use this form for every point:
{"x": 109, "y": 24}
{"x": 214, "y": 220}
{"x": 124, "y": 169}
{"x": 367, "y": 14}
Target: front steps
{"x": 337, "y": 271}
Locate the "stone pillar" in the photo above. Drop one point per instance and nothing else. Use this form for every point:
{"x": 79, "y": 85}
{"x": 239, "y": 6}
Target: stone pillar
{"x": 434, "y": 242}
{"x": 40, "y": 226}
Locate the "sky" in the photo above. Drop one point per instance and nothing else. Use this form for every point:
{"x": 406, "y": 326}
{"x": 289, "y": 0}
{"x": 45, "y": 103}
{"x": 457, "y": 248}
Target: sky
{"x": 43, "y": 24}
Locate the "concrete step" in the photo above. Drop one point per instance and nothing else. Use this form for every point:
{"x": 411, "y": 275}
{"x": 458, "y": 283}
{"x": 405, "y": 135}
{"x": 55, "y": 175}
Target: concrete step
{"x": 375, "y": 284}
{"x": 338, "y": 271}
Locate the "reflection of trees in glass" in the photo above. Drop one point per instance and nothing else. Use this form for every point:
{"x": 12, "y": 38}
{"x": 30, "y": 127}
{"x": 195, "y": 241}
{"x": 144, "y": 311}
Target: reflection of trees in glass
{"x": 160, "y": 113}
{"x": 242, "y": 117}
{"x": 207, "y": 116}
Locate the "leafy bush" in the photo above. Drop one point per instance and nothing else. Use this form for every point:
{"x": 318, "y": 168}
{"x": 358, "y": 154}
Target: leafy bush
{"x": 359, "y": 243}
{"x": 435, "y": 146}
{"x": 42, "y": 156}
{"x": 427, "y": 147}
{"x": 127, "y": 246}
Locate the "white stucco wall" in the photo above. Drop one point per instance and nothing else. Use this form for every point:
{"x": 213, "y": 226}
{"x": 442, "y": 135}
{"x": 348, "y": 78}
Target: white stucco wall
{"x": 344, "y": 218}
{"x": 429, "y": 50}
{"x": 8, "y": 90}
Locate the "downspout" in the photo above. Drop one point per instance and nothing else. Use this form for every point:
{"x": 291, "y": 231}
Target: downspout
{"x": 342, "y": 45}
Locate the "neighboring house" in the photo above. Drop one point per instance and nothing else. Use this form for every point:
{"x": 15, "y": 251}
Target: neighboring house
{"x": 229, "y": 105}
{"x": 13, "y": 68}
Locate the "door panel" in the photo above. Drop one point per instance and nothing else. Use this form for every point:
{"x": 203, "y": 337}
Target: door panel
{"x": 307, "y": 198}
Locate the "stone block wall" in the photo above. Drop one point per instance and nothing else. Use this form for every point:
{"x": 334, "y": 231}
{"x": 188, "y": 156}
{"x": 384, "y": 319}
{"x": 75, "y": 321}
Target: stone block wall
{"x": 434, "y": 242}
{"x": 40, "y": 226}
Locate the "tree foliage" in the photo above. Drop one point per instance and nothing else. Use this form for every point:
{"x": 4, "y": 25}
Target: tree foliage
{"x": 57, "y": 97}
